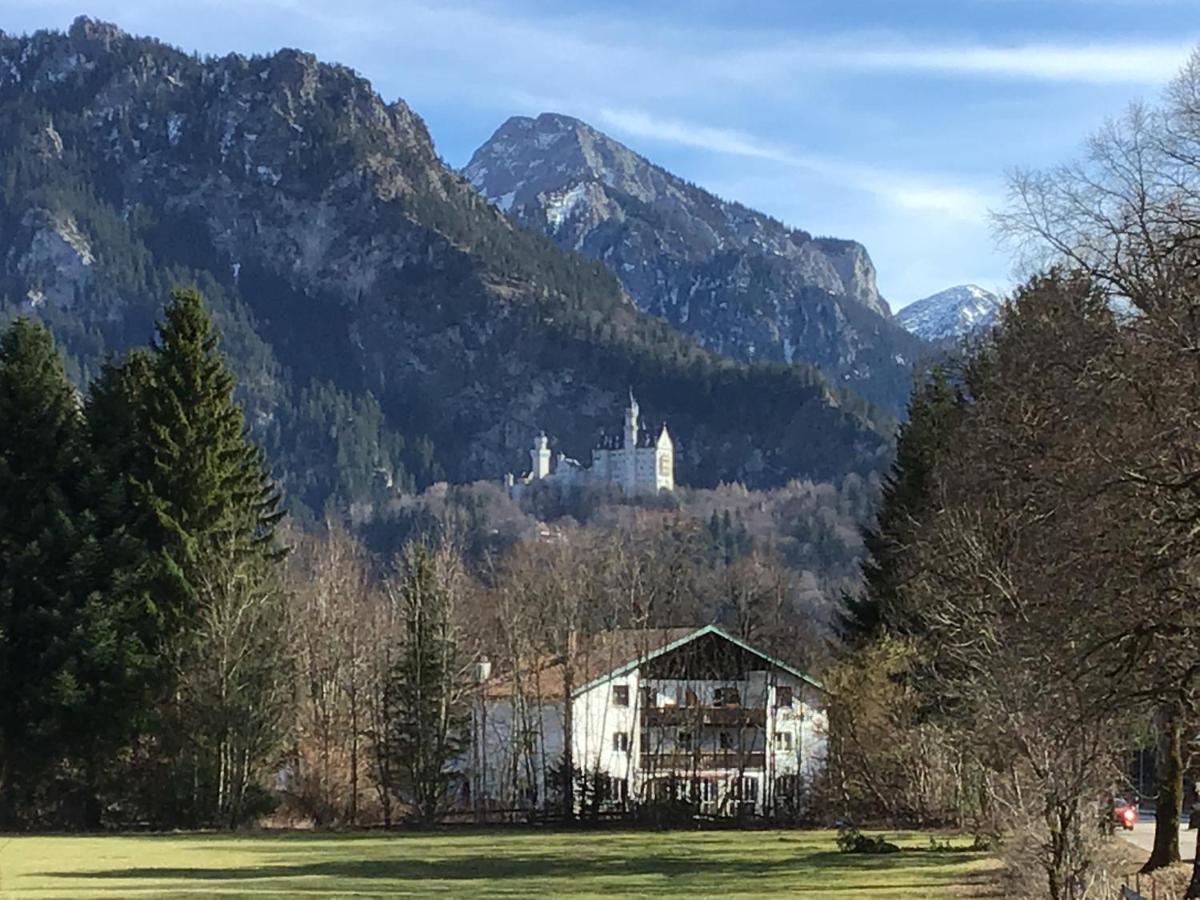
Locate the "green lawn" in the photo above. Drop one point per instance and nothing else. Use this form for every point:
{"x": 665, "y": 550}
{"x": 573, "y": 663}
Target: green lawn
{"x": 514, "y": 864}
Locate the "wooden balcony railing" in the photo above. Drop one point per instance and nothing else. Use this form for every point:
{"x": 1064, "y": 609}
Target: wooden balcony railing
{"x": 704, "y": 715}
{"x": 683, "y": 762}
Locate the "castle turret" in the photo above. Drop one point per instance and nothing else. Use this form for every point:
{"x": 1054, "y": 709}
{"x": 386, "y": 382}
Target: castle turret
{"x": 631, "y": 422}
{"x": 540, "y": 454}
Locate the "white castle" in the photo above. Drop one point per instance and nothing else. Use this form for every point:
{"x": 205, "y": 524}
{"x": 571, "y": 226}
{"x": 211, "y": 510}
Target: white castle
{"x": 635, "y": 461}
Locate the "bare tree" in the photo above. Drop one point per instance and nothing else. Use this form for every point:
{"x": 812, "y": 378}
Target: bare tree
{"x": 1128, "y": 214}
{"x": 330, "y": 594}
{"x": 235, "y": 685}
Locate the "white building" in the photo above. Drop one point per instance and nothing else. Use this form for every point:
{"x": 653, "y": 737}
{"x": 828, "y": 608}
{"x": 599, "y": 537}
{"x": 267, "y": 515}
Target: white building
{"x": 693, "y": 716}
{"x": 637, "y": 460}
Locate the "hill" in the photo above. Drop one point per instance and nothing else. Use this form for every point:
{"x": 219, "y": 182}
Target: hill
{"x": 390, "y": 327}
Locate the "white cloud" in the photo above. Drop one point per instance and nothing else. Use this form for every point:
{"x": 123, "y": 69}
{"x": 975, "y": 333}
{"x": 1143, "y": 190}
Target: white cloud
{"x": 1142, "y": 63}
{"x": 904, "y": 190}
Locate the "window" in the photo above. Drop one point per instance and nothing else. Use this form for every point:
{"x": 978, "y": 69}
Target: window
{"x": 783, "y": 696}
{"x": 725, "y": 740}
{"x": 621, "y": 695}
{"x": 726, "y": 696}
{"x": 744, "y": 788}
{"x": 649, "y": 698}
{"x": 621, "y": 741}
{"x": 783, "y": 740}
{"x": 684, "y": 740}
{"x": 787, "y": 787}
{"x": 704, "y": 790}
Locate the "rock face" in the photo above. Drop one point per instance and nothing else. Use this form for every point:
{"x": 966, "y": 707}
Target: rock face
{"x": 738, "y": 281}
{"x": 377, "y": 309}
{"x": 951, "y": 314}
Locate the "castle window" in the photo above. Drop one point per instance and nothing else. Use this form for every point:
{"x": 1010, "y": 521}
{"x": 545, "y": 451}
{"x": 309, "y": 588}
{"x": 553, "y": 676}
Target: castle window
{"x": 621, "y": 695}
{"x": 783, "y": 696}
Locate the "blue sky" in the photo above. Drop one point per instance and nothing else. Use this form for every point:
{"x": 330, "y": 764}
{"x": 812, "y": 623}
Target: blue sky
{"x": 892, "y": 122}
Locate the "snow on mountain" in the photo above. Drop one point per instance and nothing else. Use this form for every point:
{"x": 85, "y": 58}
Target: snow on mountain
{"x": 951, "y": 314}
{"x": 734, "y": 279}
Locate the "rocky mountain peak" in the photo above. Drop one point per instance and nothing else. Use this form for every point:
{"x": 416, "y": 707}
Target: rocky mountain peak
{"x": 951, "y": 314}
{"x": 85, "y": 30}
{"x": 527, "y": 157}
{"x": 735, "y": 279}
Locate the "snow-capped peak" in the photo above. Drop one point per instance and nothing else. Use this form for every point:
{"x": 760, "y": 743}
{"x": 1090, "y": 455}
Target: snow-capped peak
{"x": 952, "y": 313}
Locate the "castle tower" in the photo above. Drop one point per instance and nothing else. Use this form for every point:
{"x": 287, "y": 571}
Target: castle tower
{"x": 664, "y": 462}
{"x": 629, "y": 456}
{"x": 540, "y": 454}
{"x": 631, "y": 423}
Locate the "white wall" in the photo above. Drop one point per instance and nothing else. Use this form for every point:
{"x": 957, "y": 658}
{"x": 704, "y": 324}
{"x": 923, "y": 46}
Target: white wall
{"x": 515, "y": 765}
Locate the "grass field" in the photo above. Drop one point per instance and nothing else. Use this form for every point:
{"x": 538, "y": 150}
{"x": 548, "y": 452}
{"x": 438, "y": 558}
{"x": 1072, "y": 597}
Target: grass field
{"x": 512, "y": 864}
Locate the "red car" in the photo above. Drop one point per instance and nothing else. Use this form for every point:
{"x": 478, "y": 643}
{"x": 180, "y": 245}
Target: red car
{"x": 1124, "y": 813}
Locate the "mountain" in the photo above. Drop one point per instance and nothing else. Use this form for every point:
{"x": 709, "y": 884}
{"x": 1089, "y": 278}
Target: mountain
{"x": 951, "y": 314}
{"x": 390, "y": 327}
{"x": 738, "y": 281}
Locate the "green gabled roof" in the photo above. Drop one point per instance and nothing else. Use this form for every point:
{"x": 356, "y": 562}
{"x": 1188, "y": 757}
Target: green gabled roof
{"x": 626, "y": 668}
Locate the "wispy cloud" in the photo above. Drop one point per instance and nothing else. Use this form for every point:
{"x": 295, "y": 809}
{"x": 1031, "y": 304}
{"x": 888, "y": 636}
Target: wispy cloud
{"x": 1144, "y": 63}
{"x": 905, "y": 190}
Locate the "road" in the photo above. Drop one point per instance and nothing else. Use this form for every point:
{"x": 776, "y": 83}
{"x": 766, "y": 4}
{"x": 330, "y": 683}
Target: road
{"x": 1143, "y": 836}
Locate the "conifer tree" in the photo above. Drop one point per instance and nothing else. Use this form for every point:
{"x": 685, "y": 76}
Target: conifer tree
{"x": 905, "y": 496}
{"x": 426, "y": 715}
{"x": 206, "y": 486}
{"x": 71, "y": 649}
{"x": 39, "y": 459}
{"x": 208, "y": 509}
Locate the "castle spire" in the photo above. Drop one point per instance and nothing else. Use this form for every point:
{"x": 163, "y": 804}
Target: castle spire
{"x": 631, "y": 422}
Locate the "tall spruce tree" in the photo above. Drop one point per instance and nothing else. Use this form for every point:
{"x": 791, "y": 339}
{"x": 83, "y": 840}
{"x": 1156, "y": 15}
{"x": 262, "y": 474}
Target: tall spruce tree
{"x": 427, "y": 721}
{"x": 39, "y": 542}
{"x": 71, "y": 604}
{"x": 206, "y": 486}
{"x": 207, "y": 508}
{"x": 905, "y": 497}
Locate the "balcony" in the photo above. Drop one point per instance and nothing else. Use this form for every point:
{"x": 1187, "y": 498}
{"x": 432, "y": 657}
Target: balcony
{"x": 735, "y": 716}
{"x": 705, "y": 761}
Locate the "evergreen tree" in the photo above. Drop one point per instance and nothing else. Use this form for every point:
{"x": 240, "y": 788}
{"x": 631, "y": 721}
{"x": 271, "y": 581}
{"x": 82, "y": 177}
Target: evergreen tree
{"x": 208, "y": 509}
{"x": 905, "y": 496}
{"x": 206, "y": 486}
{"x": 72, "y": 605}
{"x": 427, "y": 723}
{"x": 39, "y": 540}
{"x": 121, "y": 670}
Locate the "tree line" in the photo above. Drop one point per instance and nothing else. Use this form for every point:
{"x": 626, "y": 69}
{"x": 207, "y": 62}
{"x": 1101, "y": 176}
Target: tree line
{"x": 145, "y": 642}
{"x": 1029, "y": 611}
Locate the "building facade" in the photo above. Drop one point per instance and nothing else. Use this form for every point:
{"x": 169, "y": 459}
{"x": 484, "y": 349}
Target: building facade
{"x": 690, "y": 717}
{"x": 638, "y": 460}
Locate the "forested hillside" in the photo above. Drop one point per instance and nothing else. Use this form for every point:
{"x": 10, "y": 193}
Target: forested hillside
{"x": 389, "y": 327}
